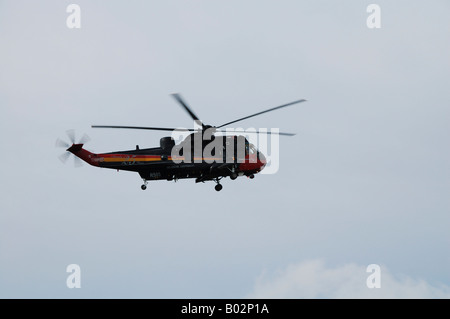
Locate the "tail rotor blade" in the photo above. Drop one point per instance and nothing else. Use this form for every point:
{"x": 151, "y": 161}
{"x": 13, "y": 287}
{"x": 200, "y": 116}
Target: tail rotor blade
{"x": 64, "y": 157}
{"x": 71, "y": 135}
{"x": 77, "y": 162}
{"x": 61, "y": 143}
{"x": 84, "y": 139}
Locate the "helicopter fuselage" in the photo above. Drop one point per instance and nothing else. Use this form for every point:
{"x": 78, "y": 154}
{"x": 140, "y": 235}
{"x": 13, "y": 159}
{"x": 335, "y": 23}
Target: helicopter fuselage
{"x": 160, "y": 163}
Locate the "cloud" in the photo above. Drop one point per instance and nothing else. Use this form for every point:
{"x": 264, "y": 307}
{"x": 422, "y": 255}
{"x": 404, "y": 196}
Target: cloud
{"x": 314, "y": 279}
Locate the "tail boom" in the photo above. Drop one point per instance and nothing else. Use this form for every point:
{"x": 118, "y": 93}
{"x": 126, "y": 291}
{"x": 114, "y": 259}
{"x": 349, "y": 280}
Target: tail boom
{"x": 85, "y": 155}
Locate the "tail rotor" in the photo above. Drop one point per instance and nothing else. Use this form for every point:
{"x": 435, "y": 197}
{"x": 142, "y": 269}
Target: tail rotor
{"x": 77, "y": 162}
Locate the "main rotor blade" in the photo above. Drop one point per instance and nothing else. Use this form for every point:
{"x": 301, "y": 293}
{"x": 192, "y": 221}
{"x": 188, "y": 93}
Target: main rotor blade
{"x": 177, "y": 97}
{"x": 145, "y": 128}
{"x": 259, "y": 113}
{"x": 256, "y": 132}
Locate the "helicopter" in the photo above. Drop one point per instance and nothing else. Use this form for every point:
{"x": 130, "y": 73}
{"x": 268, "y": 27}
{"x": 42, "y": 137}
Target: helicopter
{"x": 228, "y": 156}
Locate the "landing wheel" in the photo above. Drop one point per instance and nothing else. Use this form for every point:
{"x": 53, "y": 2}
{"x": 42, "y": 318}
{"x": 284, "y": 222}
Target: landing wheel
{"x": 251, "y": 176}
{"x": 143, "y": 187}
{"x": 218, "y": 187}
{"x": 233, "y": 176}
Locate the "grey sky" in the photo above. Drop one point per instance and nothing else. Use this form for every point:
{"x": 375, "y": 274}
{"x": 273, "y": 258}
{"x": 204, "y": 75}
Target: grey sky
{"x": 365, "y": 180}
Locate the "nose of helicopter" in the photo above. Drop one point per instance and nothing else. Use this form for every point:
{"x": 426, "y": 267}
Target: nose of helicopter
{"x": 261, "y": 161}
{"x": 253, "y": 164}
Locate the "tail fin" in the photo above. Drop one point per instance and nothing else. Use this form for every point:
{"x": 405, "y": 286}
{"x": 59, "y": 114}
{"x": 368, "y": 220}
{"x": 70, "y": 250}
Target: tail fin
{"x": 85, "y": 155}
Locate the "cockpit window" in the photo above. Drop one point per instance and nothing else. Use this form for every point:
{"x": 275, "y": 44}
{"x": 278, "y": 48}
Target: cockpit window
{"x": 252, "y": 149}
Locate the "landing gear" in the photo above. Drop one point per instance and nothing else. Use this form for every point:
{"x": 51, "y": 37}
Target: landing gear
{"x": 144, "y": 186}
{"x": 233, "y": 174}
{"x": 251, "y": 176}
{"x": 218, "y": 187}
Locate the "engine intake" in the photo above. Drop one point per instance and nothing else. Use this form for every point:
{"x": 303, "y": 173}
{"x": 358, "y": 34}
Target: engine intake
{"x": 167, "y": 143}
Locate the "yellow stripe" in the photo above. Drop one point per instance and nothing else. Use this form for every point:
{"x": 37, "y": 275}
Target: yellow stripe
{"x": 150, "y": 159}
{"x": 130, "y": 159}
